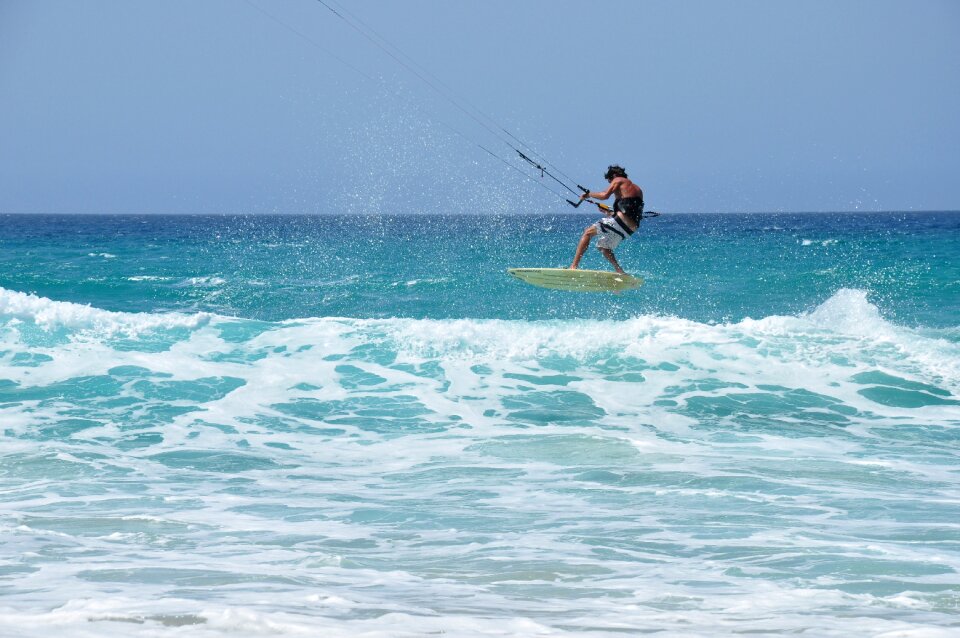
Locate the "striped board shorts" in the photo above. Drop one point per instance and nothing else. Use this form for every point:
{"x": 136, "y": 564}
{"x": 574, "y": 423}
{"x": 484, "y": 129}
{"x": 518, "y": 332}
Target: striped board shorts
{"x": 610, "y": 232}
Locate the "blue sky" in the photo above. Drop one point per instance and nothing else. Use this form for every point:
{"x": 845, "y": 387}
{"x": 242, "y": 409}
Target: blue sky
{"x": 276, "y": 106}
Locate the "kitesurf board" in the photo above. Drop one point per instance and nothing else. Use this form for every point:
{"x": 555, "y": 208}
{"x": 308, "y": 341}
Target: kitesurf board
{"x": 577, "y": 280}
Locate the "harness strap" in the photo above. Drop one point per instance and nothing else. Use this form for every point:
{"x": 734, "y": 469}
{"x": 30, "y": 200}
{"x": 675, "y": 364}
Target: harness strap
{"x": 626, "y": 228}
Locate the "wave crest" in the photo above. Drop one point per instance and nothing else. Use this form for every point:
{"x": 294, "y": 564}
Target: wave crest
{"x": 50, "y": 314}
{"x": 844, "y": 327}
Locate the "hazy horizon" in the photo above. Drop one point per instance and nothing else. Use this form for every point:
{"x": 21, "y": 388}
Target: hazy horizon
{"x": 251, "y": 107}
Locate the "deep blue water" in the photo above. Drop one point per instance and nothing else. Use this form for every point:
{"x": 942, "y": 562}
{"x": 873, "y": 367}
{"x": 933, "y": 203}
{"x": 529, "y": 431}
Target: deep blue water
{"x": 700, "y": 267}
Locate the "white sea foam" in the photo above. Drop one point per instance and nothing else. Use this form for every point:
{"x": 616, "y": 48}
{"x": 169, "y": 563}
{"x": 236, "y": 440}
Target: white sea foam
{"x": 849, "y": 317}
{"x": 51, "y": 314}
{"x": 419, "y": 282}
{"x": 842, "y": 325}
{"x": 392, "y": 477}
{"x": 210, "y": 281}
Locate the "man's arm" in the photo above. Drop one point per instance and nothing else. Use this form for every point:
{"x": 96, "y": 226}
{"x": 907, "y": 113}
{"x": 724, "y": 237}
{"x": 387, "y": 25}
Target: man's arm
{"x": 604, "y": 194}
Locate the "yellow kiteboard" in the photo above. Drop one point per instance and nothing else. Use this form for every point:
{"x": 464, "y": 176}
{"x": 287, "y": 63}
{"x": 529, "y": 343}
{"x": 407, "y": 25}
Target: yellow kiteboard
{"x": 576, "y": 280}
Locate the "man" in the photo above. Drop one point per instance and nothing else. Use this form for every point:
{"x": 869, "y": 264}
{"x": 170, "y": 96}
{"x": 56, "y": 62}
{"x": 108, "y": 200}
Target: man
{"x": 620, "y": 223}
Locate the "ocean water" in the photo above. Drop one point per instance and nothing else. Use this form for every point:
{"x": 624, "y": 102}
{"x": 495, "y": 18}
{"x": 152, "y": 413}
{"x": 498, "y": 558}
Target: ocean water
{"x": 361, "y": 426}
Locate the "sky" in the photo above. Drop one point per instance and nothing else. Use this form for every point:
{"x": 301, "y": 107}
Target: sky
{"x": 284, "y": 106}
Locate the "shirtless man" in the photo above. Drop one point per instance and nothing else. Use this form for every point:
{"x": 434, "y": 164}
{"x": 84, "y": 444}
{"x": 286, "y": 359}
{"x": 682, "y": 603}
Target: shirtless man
{"x": 620, "y": 224}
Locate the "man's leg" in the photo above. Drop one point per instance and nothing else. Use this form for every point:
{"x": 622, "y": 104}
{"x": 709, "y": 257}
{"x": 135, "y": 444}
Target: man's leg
{"x": 582, "y": 246}
{"x": 613, "y": 260}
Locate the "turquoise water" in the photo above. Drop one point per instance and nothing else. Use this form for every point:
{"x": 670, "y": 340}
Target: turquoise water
{"x": 248, "y": 426}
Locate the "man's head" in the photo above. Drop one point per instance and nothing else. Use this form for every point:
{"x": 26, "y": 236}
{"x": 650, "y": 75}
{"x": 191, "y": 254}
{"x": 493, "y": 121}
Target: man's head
{"x": 613, "y": 172}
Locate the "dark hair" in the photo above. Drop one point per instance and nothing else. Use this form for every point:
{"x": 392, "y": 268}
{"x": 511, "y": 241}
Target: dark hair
{"x": 614, "y": 171}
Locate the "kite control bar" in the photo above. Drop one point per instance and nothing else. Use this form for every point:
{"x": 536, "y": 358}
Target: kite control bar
{"x": 576, "y": 204}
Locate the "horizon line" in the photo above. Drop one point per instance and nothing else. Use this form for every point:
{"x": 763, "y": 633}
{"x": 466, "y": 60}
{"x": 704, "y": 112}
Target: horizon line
{"x": 429, "y": 214}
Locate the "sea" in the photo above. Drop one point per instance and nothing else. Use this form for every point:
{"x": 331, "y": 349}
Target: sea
{"x": 362, "y": 426}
